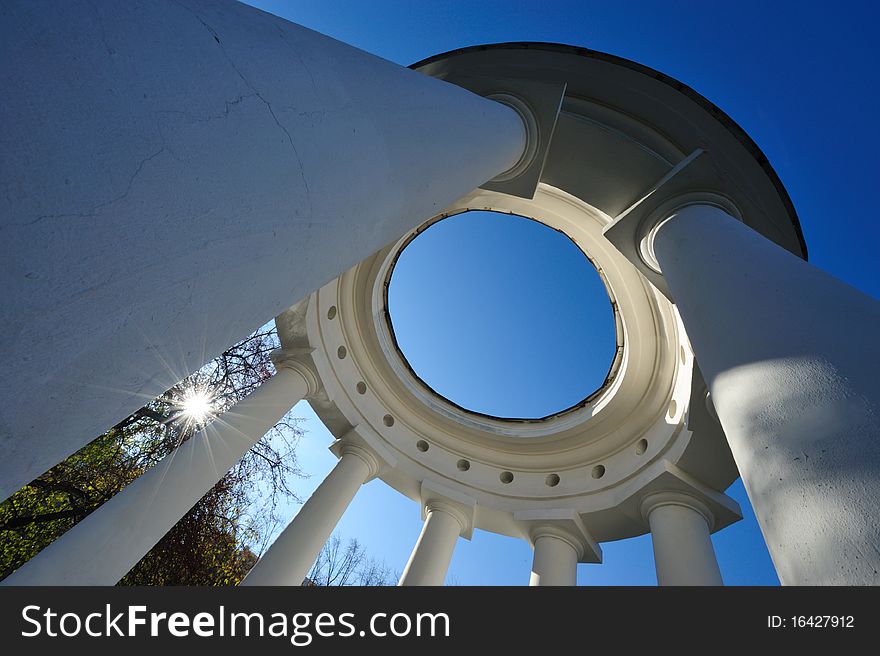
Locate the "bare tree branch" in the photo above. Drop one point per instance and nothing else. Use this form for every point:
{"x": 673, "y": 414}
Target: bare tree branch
{"x": 349, "y": 565}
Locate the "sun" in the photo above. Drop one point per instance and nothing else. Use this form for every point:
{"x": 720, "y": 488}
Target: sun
{"x": 197, "y": 406}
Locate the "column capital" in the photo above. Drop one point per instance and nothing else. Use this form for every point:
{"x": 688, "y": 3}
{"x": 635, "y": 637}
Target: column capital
{"x": 537, "y": 103}
{"x": 450, "y": 508}
{"x": 670, "y": 484}
{"x": 353, "y": 444}
{"x": 558, "y": 532}
{"x": 361, "y": 452}
{"x": 298, "y": 360}
{"x": 675, "y": 498}
{"x": 531, "y": 134}
{"x": 653, "y": 222}
{"x": 439, "y": 498}
{"x": 562, "y": 524}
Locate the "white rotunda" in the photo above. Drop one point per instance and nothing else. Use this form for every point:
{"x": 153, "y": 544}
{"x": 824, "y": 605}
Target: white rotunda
{"x": 282, "y": 173}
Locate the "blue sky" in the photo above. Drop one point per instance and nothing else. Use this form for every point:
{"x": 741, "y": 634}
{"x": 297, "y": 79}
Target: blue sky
{"x": 799, "y": 77}
{"x": 502, "y": 315}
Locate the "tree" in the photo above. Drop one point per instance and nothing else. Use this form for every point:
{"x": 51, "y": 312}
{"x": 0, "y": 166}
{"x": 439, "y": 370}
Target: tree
{"x": 347, "y": 566}
{"x": 211, "y": 544}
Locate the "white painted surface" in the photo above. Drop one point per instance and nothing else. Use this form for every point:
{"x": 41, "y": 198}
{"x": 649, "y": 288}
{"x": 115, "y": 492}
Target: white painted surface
{"x": 432, "y": 554}
{"x": 175, "y": 174}
{"x": 104, "y": 546}
{"x": 791, "y": 356}
{"x": 292, "y": 554}
{"x": 683, "y": 552}
{"x": 555, "y": 562}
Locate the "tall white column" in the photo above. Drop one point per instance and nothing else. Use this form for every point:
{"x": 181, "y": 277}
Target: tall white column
{"x": 288, "y": 560}
{"x": 790, "y": 355}
{"x": 104, "y": 546}
{"x": 162, "y": 161}
{"x": 432, "y": 554}
{"x": 555, "y": 560}
{"x": 680, "y": 532}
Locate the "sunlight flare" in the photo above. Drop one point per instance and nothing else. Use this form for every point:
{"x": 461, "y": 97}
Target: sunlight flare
{"x": 197, "y": 406}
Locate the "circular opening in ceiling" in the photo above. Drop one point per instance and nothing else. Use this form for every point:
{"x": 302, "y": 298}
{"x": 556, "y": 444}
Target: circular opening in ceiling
{"x": 502, "y": 316}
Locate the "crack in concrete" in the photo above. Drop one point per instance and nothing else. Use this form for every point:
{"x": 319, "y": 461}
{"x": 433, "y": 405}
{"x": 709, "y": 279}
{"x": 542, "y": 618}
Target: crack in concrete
{"x": 299, "y": 58}
{"x": 204, "y": 119}
{"x": 257, "y": 93}
{"x": 94, "y": 210}
{"x": 160, "y": 114}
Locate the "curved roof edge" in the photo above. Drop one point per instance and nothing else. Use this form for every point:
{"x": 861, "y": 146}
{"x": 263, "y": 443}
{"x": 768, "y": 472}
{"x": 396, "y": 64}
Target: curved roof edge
{"x": 722, "y": 117}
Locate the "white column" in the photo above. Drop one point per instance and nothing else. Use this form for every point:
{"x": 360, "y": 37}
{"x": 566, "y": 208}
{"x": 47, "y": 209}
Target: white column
{"x": 680, "y": 532}
{"x": 288, "y": 560}
{"x": 790, "y": 355}
{"x": 163, "y": 161}
{"x": 555, "y": 560}
{"x": 432, "y": 554}
{"x": 104, "y": 546}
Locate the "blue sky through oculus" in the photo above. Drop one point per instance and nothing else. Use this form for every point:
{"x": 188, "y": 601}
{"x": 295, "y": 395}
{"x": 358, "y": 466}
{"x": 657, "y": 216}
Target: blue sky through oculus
{"x": 502, "y": 315}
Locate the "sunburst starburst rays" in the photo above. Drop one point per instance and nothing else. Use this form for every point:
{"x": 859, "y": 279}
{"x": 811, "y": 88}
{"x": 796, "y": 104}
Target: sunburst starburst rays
{"x": 196, "y": 406}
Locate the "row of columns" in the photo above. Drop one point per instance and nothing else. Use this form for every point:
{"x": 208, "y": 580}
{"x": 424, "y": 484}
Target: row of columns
{"x": 812, "y": 395}
{"x": 96, "y": 552}
{"x": 680, "y": 527}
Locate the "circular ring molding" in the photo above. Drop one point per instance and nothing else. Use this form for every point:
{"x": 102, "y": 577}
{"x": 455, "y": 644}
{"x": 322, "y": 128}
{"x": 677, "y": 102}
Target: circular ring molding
{"x": 589, "y": 459}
